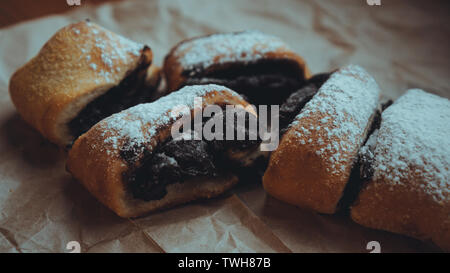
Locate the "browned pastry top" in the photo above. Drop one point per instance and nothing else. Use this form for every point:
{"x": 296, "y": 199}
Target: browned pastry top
{"x": 139, "y": 125}
{"x": 409, "y": 190}
{"x": 313, "y": 162}
{"x": 80, "y": 62}
{"x": 413, "y": 141}
{"x": 219, "y": 51}
{"x": 96, "y": 158}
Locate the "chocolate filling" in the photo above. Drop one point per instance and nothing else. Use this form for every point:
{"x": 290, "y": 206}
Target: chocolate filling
{"x": 178, "y": 160}
{"x": 297, "y": 100}
{"x": 131, "y": 91}
{"x": 362, "y": 170}
{"x": 365, "y": 160}
{"x": 262, "y": 82}
{"x": 175, "y": 161}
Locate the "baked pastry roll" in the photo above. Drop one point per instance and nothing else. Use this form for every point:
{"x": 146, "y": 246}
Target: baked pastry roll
{"x": 260, "y": 67}
{"x": 315, "y": 157}
{"x": 133, "y": 165}
{"x": 83, "y": 74}
{"x": 407, "y": 187}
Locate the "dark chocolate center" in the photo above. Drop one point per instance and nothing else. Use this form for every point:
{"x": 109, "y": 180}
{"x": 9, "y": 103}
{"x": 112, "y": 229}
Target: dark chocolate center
{"x": 298, "y": 99}
{"x": 362, "y": 170}
{"x": 175, "y": 161}
{"x": 179, "y": 160}
{"x": 262, "y": 82}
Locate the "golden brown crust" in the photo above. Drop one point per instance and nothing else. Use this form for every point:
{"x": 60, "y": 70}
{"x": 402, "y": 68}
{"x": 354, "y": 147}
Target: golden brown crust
{"x": 79, "y": 63}
{"x": 399, "y": 209}
{"x": 176, "y": 72}
{"x": 312, "y": 164}
{"x": 409, "y": 192}
{"x": 97, "y": 163}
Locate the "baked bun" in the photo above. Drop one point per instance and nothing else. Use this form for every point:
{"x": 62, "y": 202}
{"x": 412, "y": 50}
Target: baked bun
{"x": 132, "y": 164}
{"x": 81, "y": 75}
{"x": 408, "y": 191}
{"x": 260, "y": 67}
{"x": 314, "y": 159}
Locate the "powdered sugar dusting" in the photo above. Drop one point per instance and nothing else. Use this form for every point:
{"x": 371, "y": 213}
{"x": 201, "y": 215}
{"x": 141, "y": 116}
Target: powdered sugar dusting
{"x": 244, "y": 46}
{"x": 114, "y": 49}
{"x": 346, "y": 101}
{"x": 138, "y": 124}
{"x": 414, "y": 138}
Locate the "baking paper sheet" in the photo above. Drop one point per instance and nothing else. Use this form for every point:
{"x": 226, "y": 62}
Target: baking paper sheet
{"x": 42, "y": 208}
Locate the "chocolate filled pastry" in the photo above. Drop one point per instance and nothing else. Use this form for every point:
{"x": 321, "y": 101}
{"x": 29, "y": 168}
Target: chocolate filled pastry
{"x": 407, "y": 170}
{"x": 312, "y": 164}
{"x": 260, "y": 67}
{"x": 83, "y": 74}
{"x": 132, "y": 162}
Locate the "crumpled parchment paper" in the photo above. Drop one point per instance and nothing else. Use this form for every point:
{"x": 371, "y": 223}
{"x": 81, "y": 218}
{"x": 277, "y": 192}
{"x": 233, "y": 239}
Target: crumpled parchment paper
{"x": 42, "y": 208}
